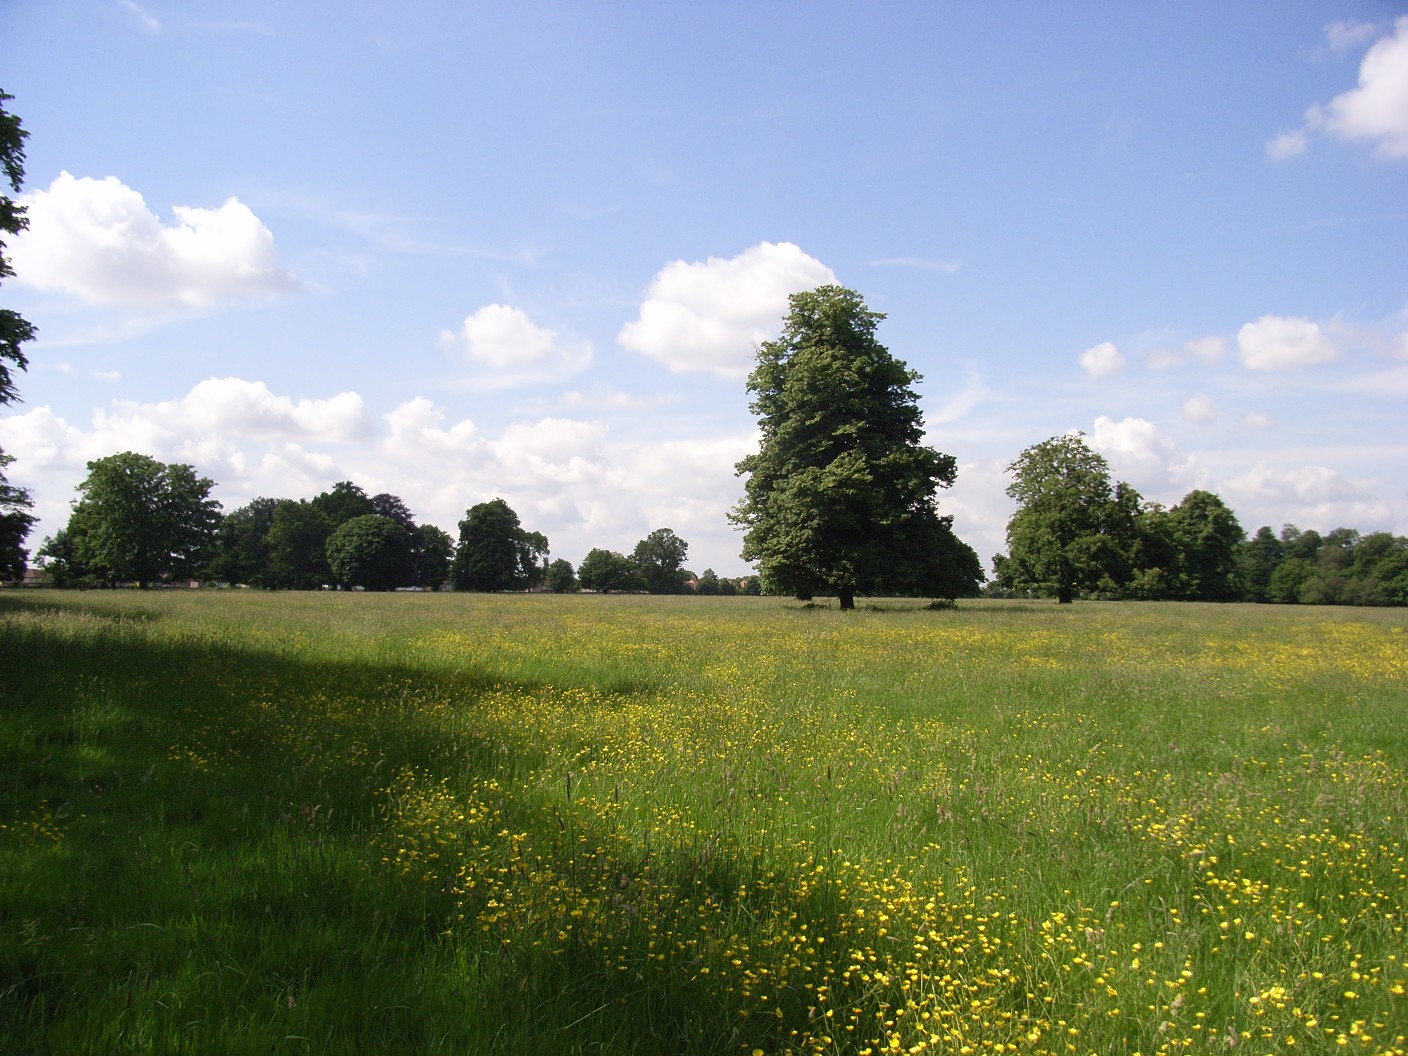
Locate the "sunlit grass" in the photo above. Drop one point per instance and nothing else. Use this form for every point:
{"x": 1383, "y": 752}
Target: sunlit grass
{"x": 252, "y": 822}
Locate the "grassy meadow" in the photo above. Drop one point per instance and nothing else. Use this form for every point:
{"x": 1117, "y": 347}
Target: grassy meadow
{"x": 311, "y": 823}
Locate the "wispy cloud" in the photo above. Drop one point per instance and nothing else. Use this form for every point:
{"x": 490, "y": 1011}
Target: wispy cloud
{"x": 144, "y": 18}
{"x": 918, "y": 263}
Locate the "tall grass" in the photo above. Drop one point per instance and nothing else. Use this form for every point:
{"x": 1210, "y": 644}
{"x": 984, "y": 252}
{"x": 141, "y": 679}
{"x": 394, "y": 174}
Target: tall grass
{"x": 245, "y": 822}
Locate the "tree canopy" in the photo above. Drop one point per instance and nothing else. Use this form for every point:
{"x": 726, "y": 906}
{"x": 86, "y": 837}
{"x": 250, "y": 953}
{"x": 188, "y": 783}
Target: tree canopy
{"x": 660, "y": 557}
{"x": 605, "y": 571}
{"x": 139, "y": 520}
{"x": 1072, "y": 530}
{"x": 372, "y": 552}
{"x": 15, "y": 331}
{"x": 496, "y": 552}
{"x": 841, "y": 496}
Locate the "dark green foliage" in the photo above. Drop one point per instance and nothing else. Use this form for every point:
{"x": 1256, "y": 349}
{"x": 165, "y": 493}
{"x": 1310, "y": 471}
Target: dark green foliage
{"x": 242, "y": 545}
{"x": 1072, "y": 530}
{"x": 605, "y": 571}
{"x": 708, "y": 582}
{"x": 344, "y": 501}
{"x": 1206, "y": 538}
{"x": 1257, "y": 560}
{"x": 840, "y": 498}
{"x": 495, "y": 552}
{"x": 139, "y": 520}
{"x": 15, "y": 523}
{"x": 433, "y": 553}
{"x": 15, "y": 330}
{"x": 660, "y": 558}
{"x": 561, "y": 578}
{"x": 372, "y": 552}
{"x": 297, "y": 542}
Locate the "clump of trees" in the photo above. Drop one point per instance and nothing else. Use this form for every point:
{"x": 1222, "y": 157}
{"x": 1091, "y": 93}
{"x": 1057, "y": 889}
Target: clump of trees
{"x": 1077, "y": 532}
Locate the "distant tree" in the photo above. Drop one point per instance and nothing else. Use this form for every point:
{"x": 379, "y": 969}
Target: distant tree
{"x": 840, "y": 497}
{"x": 708, "y": 582}
{"x": 752, "y": 586}
{"x": 495, "y": 552}
{"x": 1257, "y": 559}
{"x": 560, "y": 577}
{"x": 297, "y": 543}
{"x": 344, "y": 501}
{"x": 15, "y": 330}
{"x": 59, "y": 558}
{"x": 605, "y": 571}
{"x": 15, "y": 523}
{"x": 433, "y": 555}
{"x": 660, "y": 557}
{"x": 1070, "y": 531}
{"x": 1207, "y": 538}
{"x": 372, "y": 552}
{"x": 139, "y": 520}
{"x": 242, "y": 544}
{"x": 1286, "y": 582}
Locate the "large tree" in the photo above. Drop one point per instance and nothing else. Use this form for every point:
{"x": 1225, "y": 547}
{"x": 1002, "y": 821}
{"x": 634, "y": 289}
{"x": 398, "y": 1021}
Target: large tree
{"x": 15, "y": 331}
{"x": 495, "y": 552}
{"x": 242, "y": 544}
{"x": 840, "y": 497}
{"x": 140, "y": 520}
{"x": 15, "y": 523}
{"x": 660, "y": 557}
{"x": 1208, "y": 538}
{"x": 1072, "y": 530}
{"x": 372, "y": 552}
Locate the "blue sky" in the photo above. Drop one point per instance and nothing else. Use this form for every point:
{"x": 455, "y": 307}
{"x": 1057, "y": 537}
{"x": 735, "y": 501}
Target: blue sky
{"x": 459, "y": 250}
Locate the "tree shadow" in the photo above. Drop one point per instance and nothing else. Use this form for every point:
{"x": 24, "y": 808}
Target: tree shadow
{"x": 199, "y": 851}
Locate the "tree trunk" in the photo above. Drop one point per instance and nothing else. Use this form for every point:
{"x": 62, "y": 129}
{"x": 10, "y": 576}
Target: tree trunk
{"x": 848, "y": 600}
{"x": 1063, "y": 594}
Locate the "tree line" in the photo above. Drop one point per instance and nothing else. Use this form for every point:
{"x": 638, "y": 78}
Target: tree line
{"x": 1078, "y": 533}
{"x": 140, "y": 521}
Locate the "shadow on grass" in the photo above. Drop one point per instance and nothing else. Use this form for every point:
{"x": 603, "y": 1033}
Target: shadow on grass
{"x": 194, "y": 856}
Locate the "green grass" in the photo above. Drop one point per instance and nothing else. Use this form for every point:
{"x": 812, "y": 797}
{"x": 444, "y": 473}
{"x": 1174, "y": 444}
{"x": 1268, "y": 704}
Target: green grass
{"x": 311, "y": 823}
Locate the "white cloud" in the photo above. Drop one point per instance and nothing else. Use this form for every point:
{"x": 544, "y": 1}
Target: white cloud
{"x": 917, "y": 263}
{"x": 1279, "y": 343}
{"x": 97, "y": 240}
{"x": 1142, "y": 455}
{"x": 507, "y": 348}
{"x": 144, "y": 18}
{"x": 711, "y": 316}
{"x": 1199, "y": 409}
{"x": 235, "y": 407}
{"x": 1287, "y": 145}
{"x": 1376, "y": 110}
{"x": 1305, "y": 484}
{"x": 1102, "y": 360}
{"x": 1206, "y": 349}
{"x": 1346, "y": 35}
{"x": 1256, "y": 420}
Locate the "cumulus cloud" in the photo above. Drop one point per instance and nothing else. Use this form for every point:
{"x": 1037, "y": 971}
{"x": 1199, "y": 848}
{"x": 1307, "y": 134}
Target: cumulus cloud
{"x": 1304, "y": 484}
{"x": 711, "y": 316}
{"x": 98, "y": 241}
{"x": 1199, "y": 409}
{"x": 1256, "y": 420}
{"x": 506, "y": 348}
{"x": 1142, "y": 455}
{"x": 1276, "y": 342}
{"x": 1377, "y": 110}
{"x": 1102, "y": 360}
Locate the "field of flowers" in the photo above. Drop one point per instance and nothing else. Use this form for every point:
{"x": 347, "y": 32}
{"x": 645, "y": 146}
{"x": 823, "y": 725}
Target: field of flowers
{"x": 240, "y": 821}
